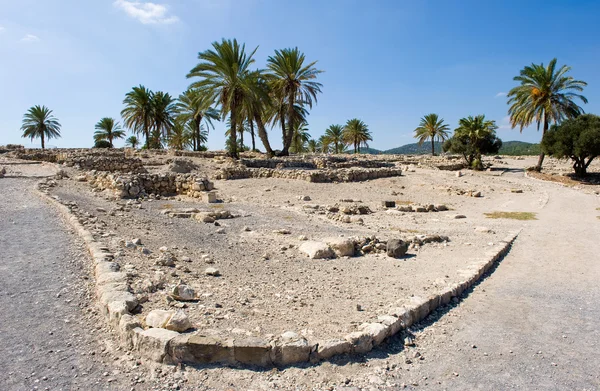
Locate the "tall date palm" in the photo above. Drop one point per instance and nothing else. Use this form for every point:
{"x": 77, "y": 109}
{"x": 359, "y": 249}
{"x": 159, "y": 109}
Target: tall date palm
{"x": 545, "y": 95}
{"x": 292, "y": 82}
{"x": 108, "y": 129}
{"x": 357, "y": 133}
{"x": 223, "y": 74}
{"x": 137, "y": 114}
{"x": 39, "y": 122}
{"x": 195, "y": 107}
{"x": 432, "y": 128}
{"x": 334, "y": 135}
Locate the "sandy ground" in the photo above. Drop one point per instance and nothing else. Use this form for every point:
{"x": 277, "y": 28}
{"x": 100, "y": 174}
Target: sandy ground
{"x": 532, "y": 322}
{"x": 288, "y": 291}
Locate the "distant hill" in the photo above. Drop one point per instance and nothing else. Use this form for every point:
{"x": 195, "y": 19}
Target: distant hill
{"x": 414, "y": 149}
{"x": 519, "y": 148}
{"x": 513, "y": 148}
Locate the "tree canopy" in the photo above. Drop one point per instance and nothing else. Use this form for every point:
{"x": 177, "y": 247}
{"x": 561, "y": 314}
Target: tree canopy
{"x": 39, "y": 122}
{"x": 577, "y": 139}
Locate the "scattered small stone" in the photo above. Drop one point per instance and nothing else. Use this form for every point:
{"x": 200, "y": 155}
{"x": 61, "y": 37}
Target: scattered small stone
{"x": 211, "y": 271}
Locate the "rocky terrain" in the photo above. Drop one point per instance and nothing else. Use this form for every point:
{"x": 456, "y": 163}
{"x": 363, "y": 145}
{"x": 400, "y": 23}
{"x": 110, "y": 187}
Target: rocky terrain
{"x": 262, "y": 256}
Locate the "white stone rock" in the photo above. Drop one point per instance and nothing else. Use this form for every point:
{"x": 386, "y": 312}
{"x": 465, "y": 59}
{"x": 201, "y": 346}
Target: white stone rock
{"x": 317, "y": 250}
{"x": 178, "y": 322}
{"x": 343, "y": 247}
{"x": 211, "y": 271}
{"x": 158, "y": 318}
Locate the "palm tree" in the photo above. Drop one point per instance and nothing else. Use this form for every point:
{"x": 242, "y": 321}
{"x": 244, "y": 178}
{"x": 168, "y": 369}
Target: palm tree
{"x": 335, "y": 135}
{"x": 137, "y": 114}
{"x": 300, "y": 138}
{"x": 324, "y": 144}
{"x": 181, "y": 135}
{"x": 132, "y": 142}
{"x": 292, "y": 83}
{"x": 432, "y": 127}
{"x": 39, "y": 122}
{"x": 313, "y": 146}
{"x": 107, "y": 129}
{"x": 476, "y": 130}
{"x": 357, "y": 133}
{"x": 163, "y": 117}
{"x": 224, "y": 74}
{"x": 256, "y": 108}
{"x": 196, "y": 106}
{"x": 545, "y": 95}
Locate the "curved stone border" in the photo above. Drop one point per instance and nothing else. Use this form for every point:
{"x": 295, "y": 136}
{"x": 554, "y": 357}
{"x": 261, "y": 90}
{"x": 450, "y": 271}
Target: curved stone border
{"x": 171, "y": 347}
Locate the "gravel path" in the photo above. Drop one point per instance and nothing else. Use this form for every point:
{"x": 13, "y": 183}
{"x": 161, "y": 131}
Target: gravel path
{"x": 534, "y": 321}
{"x": 46, "y": 341}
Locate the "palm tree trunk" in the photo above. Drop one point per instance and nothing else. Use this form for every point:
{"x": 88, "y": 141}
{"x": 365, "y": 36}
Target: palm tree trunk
{"x": 241, "y": 131}
{"x": 538, "y": 167}
{"x": 43, "y": 145}
{"x": 262, "y": 133}
{"x": 432, "y": 147}
{"x": 290, "y": 130}
{"x": 252, "y": 133}
{"x": 284, "y": 152}
{"x": 232, "y": 135}
{"x": 110, "y": 140}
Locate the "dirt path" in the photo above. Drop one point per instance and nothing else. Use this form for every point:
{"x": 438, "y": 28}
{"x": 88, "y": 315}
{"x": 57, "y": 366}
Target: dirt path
{"x": 47, "y": 342}
{"x": 534, "y": 321}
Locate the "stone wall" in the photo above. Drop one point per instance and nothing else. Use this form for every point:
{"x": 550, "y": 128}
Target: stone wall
{"x": 135, "y": 185}
{"x": 320, "y": 176}
{"x": 113, "y": 160}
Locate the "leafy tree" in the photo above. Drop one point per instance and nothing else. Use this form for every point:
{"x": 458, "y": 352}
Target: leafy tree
{"x": 137, "y": 114}
{"x": 132, "y": 142}
{"x": 432, "y": 128}
{"x": 39, "y": 122}
{"x": 545, "y": 95}
{"x": 356, "y": 133}
{"x": 107, "y": 129}
{"x": 224, "y": 76}
{"x": 334, "y": 135}
{"x": 102, "y": 144}
{"x": 577, "y": 139}
{"x": 473, "y": 137}
{"x": 293, "y": 83}
{"x": 196, "y": 106}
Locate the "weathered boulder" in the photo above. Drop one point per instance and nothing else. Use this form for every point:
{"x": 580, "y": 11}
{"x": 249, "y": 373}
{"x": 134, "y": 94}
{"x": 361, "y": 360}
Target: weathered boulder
{"x": 179, "y": 321}
{"x": 396, "y": 248}
{"x": 183, "y": 292}
{"x": 343, "y": 247}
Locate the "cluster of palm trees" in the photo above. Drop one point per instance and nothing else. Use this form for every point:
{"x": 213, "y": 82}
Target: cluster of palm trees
{"x": 337, "y": 138}
{"x": 225, "y": 86}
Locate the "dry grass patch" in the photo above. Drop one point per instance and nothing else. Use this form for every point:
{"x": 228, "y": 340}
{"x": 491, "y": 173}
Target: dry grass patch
{"x": 511, "y": 215}
{"x": 166, "y": 206}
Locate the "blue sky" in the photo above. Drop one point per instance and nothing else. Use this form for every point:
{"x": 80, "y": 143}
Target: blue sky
{"x": 386, "y": 62}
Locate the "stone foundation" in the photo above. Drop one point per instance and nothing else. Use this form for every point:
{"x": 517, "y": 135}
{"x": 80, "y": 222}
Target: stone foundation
{"x": 320, "y": 176}
{"x": 135, "y": 185}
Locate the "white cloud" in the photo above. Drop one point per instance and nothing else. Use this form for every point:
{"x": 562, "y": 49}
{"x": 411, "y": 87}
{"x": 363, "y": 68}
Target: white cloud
{"x": 146, "y": 13}
{"x": 501, "y": 94}
{"x": 29, "y": 38}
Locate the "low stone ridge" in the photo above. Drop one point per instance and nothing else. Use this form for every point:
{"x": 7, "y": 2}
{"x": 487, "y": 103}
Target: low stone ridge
{"x": 135, "y": 185}
{"x": 317, "y": 176}
{"x": 112, "y": 160}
